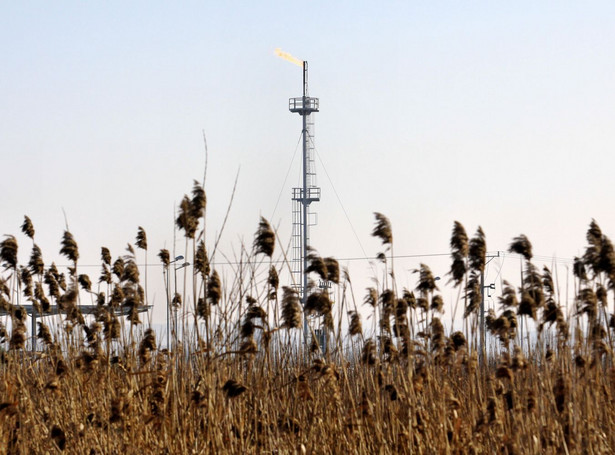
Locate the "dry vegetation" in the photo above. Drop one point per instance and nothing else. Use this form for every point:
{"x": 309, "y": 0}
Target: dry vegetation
{"x": 238, "y": 381}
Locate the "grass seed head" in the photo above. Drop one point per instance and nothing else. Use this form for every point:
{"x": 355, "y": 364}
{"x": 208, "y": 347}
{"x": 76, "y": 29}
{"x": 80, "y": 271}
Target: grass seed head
{"x": 382, "y": 229}
{"x": 165, "y": 257}
{"x": 427, "y": 282}
{"x": 130, "y": 273}
{"x": 69, "y": 247}
{"x": 214, "y": 288}
{"x": 459, "y": 252}
{"x": 203, "y": 309}
{"x": 36, "y": 264}
{"x": 473, "y": 295}
{"x": 44, "y": 334}
{"x": 58, "y": 437}
{"x": 198, "y": 203}
{"x": 141, "y": 240}
{"x": 85, "y": 282}
{"x": 333, "y": 270}
{"x": 371, "y": 298}
{"x": 105, "y": 255}
{"x": 477, "y": 251}
{"x": 318, "y": 302}
{"x": 233, "y": 388}
{"x": 459, "y": 340}
{"x": 437, "y": 303}
{"x": 186, "y": 219}
{"x": 291, "y": 308}
{"x": 18, "y": 336}
{"x": 27, "y": 227}
{"x": 147, "y": 345}
{"x": 264, "y": 239}
{"x": 201, "y": 261}
{"x": 8, "y": 251}
{"x": 355, "y": 327}
{"x": 521, "y": 245}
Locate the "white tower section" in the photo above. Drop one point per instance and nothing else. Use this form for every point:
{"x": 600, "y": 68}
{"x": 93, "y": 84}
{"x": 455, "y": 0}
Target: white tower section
{"x": 303, "y": 196}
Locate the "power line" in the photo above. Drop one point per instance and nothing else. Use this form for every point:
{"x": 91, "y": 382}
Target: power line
{"x": 540, "y": 258}
{"x": 286, "y": 178}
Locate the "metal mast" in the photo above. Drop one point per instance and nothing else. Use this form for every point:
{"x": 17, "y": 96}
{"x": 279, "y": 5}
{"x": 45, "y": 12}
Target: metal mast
{"x": 304, "y": 195}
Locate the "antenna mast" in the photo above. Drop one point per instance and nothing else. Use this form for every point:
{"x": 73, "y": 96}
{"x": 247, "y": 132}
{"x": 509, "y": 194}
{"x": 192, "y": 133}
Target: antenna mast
{"x": 304, "y": 195}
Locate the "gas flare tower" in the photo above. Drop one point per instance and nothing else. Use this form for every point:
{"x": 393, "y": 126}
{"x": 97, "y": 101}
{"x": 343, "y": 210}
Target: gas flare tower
{"x": 304, "y": 195}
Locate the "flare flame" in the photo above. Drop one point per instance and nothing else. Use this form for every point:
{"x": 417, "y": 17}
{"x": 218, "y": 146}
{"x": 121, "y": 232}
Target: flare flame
{"x": 286, "y": 56}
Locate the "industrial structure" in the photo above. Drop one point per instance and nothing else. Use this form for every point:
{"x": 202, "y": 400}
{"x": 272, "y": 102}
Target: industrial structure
{"x": 303, "y": 196}
{"x": 307, "y": 193}
{"x": 57, "y": 309}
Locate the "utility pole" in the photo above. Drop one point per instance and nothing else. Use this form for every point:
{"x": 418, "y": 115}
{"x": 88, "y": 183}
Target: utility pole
{"x": 483, "y": 345}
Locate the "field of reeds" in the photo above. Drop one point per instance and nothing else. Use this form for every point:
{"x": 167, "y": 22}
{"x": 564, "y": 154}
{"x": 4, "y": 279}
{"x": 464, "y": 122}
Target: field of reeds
{"x": 237, "y": 377}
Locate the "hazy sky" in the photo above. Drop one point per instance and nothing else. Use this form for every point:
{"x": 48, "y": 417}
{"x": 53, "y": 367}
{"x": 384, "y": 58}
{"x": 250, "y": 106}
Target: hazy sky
{"x": 494, "y": 114}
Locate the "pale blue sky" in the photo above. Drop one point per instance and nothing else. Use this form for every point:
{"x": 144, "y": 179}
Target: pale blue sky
{"x": 494, "y": 114}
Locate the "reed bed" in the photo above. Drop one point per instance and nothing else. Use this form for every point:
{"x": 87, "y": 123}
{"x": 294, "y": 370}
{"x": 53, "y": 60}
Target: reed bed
{"x": 237, "y": 377}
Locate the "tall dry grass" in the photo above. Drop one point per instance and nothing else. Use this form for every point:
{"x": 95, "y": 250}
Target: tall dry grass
{"x": 238, "y": 379}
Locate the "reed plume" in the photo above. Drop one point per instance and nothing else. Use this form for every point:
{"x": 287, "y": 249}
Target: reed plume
{"x": 36, "y": 264}
{"x": 233, "y": 388}
{"x": 105, "y": 255}
{"x": 8, "y": 251}
{"x": 318, "y": 302}
{"x": 201, "y": 261}
{"x": 198, "y": 202}
{"x": 186, "y": 221}
{"x": 409, "y": 298}
{"x": 85, "y": 282}
{"x": 26, "y": 279}
{"x": 105, "y": 275}
{"x": 426, "y": 283}
{"x": 521, "y": 245}
{"x": 69, "y": 247}
{"x": 477, "y": 251}
{"x": 52, "y": 283}
{"x": 273, "y": 280}
{"x": 508, "y": 299}
{"x": 203, "y": 309}
{"x": 504, "y": 326}
{"x": 532, "y": 295}
{"x": 437, "y": 303}
{"x": 130, "y": 249}
{"x": 355, "y": 327}
{"x": 141, "y": 239}
{"x": 578, "y": 269}
{"x": 44, "y": 334}
{"x": 459, "y": 340}
{"x": 473, "y": 295}
{"x": 437, "y": 335}
{"x": 333, "y": 270}
{"x": 147, "y": 346}
{"x": 264, "y": 239}
{"x": 382, "y": 229}
{"x": 371, "y": 298}
{"x": 165, "y": 257}
{"x": 118, "y": 268}
{"x": 316, "y": 264}
{"x": 593, "y": 251}
{"x": 39, "y": 295}
{"x": 459, "y": 253}
{"x": 27, "y": 227}
{"x": 291, "y": 308}
{"x": 214, "y": 289}
{"x": 130, "y": 272}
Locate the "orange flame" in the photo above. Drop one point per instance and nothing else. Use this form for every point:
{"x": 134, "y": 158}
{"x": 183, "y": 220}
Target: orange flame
{"x": 286, "y": 56}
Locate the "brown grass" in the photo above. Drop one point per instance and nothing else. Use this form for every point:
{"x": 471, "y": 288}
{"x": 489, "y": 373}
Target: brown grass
{"x": 242, "y": 384}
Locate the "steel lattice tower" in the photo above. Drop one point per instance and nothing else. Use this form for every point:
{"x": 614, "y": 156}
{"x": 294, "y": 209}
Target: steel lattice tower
{"x": 303, "y": 196}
